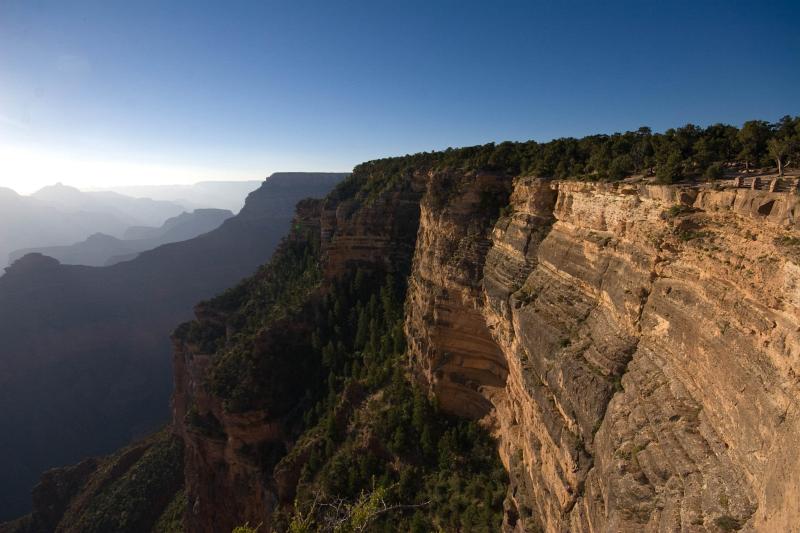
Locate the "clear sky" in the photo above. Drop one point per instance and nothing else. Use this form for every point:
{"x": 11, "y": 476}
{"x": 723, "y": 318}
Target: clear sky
{"x": 111, "y": 92}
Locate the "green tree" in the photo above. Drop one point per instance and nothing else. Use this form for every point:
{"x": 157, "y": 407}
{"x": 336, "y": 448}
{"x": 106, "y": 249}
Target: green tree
{"x": 620, "y": 167}
{"x": 779, "y": 150}
{"x": 753, "y": 137}
{"x": 670, "y": 170}
{"x": 714, "y": 172}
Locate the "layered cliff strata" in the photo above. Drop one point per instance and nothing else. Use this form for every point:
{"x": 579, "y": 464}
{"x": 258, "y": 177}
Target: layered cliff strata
{"x": 634, "y": 347}
{"x": 450, "y": 345}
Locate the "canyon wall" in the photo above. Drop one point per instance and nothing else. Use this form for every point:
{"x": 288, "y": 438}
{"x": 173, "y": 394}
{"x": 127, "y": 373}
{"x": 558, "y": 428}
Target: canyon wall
{"x": 633, "y": 347}
{"x": 232, "y": 457}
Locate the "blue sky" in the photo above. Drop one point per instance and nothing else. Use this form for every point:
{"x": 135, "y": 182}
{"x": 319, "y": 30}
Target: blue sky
{"x": 119, "y": 92}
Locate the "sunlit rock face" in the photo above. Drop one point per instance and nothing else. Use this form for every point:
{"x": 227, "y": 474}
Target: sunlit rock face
{"x": 637, "y": 360}
{"x": 634, "y": 349}
{"x": 450, "y": 344}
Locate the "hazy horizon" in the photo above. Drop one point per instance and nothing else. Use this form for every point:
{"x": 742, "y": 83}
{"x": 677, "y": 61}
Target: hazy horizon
{"x": 102, "y": 94}
{"x": 27, "y": 189}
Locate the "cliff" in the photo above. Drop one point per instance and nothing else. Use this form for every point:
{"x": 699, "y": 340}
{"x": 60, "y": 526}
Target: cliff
{"x": 487, "y": 352}
{"x": 302, "y": 400}
{"x": 632, "y": 348}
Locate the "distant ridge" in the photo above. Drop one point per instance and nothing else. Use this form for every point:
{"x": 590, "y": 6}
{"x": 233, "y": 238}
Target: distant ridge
{"x": 219, "y": 194}
{"x": 85, "y": 360}
{"x": 100, "y": 249}
{"x": 60, "y": 215}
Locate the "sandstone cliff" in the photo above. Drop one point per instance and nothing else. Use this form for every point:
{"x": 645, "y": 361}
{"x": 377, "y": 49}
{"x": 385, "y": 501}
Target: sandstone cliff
{"x": 634, "y": 347}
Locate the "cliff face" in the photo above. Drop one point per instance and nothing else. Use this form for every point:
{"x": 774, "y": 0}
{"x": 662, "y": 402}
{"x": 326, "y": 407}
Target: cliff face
{"x": 633, "y": 347}
{"x": 450, "y": 344}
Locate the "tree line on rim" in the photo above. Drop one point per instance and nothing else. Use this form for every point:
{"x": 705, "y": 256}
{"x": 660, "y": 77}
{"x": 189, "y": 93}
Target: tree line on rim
{"x": 687, "y": 152}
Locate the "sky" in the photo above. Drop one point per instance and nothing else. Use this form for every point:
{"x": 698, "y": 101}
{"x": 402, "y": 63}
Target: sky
{"x": 111, "y": 92}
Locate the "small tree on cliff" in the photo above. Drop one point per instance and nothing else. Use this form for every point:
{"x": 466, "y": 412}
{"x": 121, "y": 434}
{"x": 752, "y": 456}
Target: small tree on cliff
{"x": 784, "y": 147}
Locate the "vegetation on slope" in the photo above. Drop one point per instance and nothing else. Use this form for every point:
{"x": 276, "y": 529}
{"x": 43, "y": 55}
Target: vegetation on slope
{"x": 137, "y": 489}
{"x": 134, "y": 501}
{"x": 377, "y": 431}
{"x": 365, "y": 426}
{"x": 332, "y": 359}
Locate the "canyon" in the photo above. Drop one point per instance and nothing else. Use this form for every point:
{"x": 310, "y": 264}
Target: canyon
{"x": 633, "y": 349}
{"x": 85, "y": 359}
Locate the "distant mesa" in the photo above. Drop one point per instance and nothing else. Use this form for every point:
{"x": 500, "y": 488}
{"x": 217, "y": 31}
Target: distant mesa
{"x": 60, "y": 215}
{"x": 219, "y": 194}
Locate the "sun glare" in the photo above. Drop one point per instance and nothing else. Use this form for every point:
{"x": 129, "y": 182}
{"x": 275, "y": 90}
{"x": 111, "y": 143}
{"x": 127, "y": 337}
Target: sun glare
{"x": 27, "y": 171}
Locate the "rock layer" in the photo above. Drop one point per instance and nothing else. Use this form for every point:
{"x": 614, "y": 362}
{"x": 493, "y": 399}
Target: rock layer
{"x": 634, "y": 347}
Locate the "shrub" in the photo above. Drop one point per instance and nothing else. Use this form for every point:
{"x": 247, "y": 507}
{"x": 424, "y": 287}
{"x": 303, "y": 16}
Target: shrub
{"x": 714, "y": 172}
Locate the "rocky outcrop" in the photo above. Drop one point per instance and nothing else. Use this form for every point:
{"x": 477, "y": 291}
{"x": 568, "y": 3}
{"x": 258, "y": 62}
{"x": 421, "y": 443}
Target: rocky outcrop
{"x": 378, "y": 230}
{"x": 634, "y": 348}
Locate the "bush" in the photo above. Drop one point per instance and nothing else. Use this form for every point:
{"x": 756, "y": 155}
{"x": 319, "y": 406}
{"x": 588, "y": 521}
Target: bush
{"x": 670, "y": 171}
{"x": 714, "y": 172}
{"x": 246, "y": 529}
